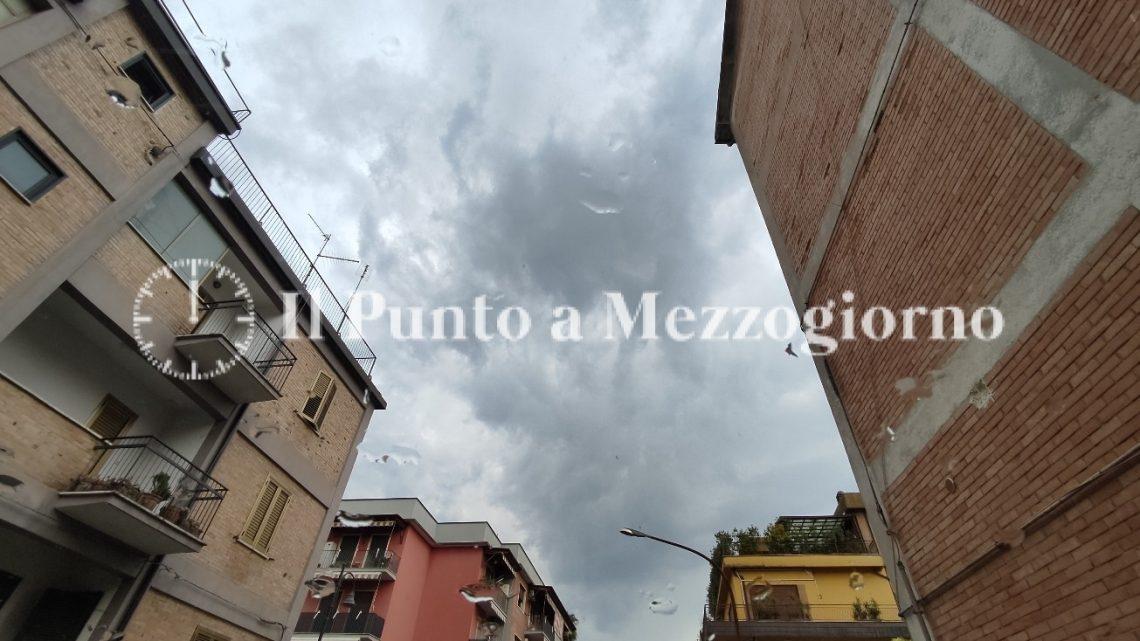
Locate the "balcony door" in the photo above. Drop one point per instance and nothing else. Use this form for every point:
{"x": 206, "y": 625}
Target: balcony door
{"x": 347, "y": 550}
{"x": 357, "y": 622}
{"x": 376, "y": 549}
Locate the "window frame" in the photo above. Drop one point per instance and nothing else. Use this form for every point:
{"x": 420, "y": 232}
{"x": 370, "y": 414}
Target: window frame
{"x": 111, "y": 400}
{"x": 56, "y": 175}
{"x": 318, "y": 418}
{"x": 252, "y": 541}
{"x": 144, "y": 58}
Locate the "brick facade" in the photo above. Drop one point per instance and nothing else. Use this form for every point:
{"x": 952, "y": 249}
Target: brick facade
{"x": 29, "y": 234}
{"x": 1018, "y": 519}
{"x": 45, "y": 446}
{"x": 1102, "y": 38}
{"x": 797, "y": 97}
{"x": 960, "y": 202}
{"x": 1066, "y": 403}
{"x": 79, "y": 74}
{"x": 243, "y": 469}
{"x": 162, "y": 618}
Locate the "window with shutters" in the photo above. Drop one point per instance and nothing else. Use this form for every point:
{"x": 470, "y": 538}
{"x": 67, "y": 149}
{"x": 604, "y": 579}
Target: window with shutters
{"x": 202, "y": 634}
{"x": 111, "y": 418}
{"x": 265, "y": 516}
{"x": 318, "y": 401}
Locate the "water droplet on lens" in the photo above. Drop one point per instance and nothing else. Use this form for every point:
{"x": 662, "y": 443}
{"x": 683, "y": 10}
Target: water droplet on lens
{"x": 477, "y": 593}
{"x": 856, "y": 581}
{"x": 980, "y": 395}
{"x": 662, "y": 606}
{"x": 221, "y": 187}
{"x": 760, "y": 591}
{"x": 602, "y": 210}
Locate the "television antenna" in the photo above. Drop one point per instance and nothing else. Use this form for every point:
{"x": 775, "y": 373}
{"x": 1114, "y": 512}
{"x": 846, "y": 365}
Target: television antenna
{"x": 326, "y": 238}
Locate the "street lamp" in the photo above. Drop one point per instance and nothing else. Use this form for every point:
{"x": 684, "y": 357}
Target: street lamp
{"x": 638, "y": 534}
{"x": 349, "y": 600}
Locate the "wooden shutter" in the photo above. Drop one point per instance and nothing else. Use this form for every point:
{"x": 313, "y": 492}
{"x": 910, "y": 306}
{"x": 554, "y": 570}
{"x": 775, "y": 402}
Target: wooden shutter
{"x": 202, "y": 634}
{"x": 317, "y": 403}
{"x": 265, "y": 516}
{"x": 111, "y": 418}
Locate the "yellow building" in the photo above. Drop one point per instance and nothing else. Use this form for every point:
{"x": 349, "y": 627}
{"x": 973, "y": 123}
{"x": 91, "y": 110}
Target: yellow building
{"x": 813, "y": 577}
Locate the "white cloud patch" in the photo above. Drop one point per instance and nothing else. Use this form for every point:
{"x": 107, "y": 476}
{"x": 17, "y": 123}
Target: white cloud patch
{"x": 451, "y": 146}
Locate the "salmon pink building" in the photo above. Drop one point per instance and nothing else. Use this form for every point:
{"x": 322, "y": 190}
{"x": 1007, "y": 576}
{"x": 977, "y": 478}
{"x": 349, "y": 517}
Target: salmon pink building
{"x": 393, "y": 572}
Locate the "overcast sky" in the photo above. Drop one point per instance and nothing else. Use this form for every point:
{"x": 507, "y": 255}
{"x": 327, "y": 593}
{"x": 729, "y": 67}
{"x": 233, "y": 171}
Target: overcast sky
{"x": 464, "y": 148}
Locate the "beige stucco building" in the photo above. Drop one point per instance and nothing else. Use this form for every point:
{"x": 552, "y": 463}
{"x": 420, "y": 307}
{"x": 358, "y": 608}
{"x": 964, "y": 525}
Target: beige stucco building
{"x": 170, "y": 460}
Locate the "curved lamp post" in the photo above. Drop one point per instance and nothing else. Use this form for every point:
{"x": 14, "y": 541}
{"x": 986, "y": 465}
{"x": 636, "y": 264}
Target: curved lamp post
{"x": 349, "y": 600}
{"x": 718, "y": 567}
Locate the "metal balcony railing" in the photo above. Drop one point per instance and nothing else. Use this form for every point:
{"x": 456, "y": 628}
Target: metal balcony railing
{"x": 146, "y": 471}
{"x": 341, "y": 623}
{"x": 540, "y": 624}
{"x": 234, "y": 98}
{"x": 246, "y": 186}
{"x": 372, "y": 560}
{"x": 251, "y": 335}
{"x": 764, "y": 611}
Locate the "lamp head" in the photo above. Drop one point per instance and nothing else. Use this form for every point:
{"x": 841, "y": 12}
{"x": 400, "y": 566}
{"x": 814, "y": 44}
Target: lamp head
{"x": 631, "y": 532}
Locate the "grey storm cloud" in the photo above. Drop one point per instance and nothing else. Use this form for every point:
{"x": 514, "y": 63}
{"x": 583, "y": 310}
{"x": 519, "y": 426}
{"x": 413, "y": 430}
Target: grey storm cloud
{"x": 541, "y": 154}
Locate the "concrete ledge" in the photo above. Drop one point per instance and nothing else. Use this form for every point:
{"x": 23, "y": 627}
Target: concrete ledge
{"x": 126, "y": 521}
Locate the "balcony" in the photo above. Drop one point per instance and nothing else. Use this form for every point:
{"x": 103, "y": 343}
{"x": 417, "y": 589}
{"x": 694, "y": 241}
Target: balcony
{"x": 143, "y": 493}
{"x": 230, "y": 332}
{"x": 345, "y": 626}
{"x": 380, "y": 565}
{"x": 767, "y": 620}
{"x": 494, "y": 608}
{"x": 540, "y": 628}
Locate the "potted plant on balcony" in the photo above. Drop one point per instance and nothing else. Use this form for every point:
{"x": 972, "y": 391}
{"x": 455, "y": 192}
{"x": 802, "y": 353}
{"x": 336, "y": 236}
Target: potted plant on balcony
{"x": 159, "y": 491}
{"x": 865, "y": 610}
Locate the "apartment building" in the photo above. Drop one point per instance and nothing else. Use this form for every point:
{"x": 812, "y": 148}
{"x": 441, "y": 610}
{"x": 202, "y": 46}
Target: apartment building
{"x": 818, "y": 576}
{"x": 967, "y": 153}
{"x": 168, "y": 459}
{"x": 390, "y": 568}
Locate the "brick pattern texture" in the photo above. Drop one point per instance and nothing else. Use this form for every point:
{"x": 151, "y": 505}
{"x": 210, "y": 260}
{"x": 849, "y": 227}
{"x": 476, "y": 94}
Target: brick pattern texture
{"x": 44, "y": 445}
{"x": 803, "y": 69}
{"x": 131, "y": 261}
{"x": 80, "y": 75}
{"x": 161, "y": 618}
{"x": 1066, "y": 403}
{"x": 243, "y": 470}
{"x": 328, "y": 450}
{"x": 1101, "y": 37}
{"x": 30, "y": 233}
{"x": 958, "y": 185}
{"x": 1076, "y": 578}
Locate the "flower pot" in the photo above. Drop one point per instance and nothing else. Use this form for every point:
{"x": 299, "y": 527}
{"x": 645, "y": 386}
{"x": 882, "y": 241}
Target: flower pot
{"x": 173, "y": 513}
{"x": 149, "y": 501}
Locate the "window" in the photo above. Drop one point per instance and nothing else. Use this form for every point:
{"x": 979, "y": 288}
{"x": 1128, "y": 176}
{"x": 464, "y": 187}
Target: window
{"x": 522, "y": 596}
{"x": 266, "y": 514}
{"x": 202, "y": 634}
{"x": 111, "y": 418}
{"x": 25, "y": 168}
{"x": 320, "y": 397}
{"x": 12, "y": 10}
{"x": 156, "y": 92}
{"x": 174, "y": 226}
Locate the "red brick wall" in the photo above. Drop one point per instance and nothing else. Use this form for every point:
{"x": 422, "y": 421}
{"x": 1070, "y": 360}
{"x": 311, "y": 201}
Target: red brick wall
{"x": 1100, "y": 36}
{"x": 1076, "y": 578}
{"x": 803, "y": 69}
{"x": 1066, "y": 403}
{"x": 957, "y": 187}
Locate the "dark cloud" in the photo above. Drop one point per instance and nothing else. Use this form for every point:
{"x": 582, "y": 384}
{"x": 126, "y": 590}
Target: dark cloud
{"x": 540, "y": 154}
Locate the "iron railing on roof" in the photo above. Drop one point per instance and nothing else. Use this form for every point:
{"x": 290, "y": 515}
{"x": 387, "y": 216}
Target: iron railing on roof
{"x": 246, "y": 186}
{"x": 241, "y": 110}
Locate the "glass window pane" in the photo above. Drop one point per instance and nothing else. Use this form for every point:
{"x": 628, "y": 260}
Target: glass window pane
{"x": 198, "y": 241}
{"x": 165, "y": 217}
{"x": 20, "y": 168}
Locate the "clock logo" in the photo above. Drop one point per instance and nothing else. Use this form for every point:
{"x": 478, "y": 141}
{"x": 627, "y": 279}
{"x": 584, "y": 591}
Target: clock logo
{"x": 233, "y": 319}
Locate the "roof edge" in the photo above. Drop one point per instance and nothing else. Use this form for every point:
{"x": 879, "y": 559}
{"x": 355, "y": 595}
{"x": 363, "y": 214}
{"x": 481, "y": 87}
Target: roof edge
{"x": 723, "y": 132}
{"x": 185, "y": 64}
